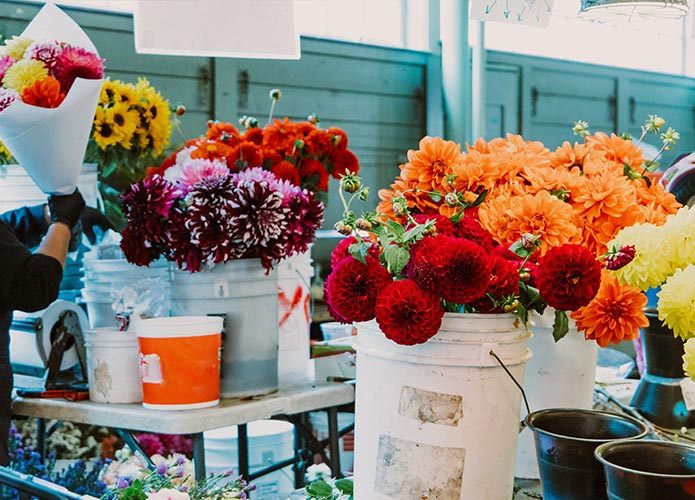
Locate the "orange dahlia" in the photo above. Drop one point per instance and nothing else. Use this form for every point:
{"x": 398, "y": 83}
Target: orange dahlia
{"x": 615, "y": 314}
{"x": 44, "y": 93}
{"x": 617, "y": 149}
{"x": 432, "y": 164}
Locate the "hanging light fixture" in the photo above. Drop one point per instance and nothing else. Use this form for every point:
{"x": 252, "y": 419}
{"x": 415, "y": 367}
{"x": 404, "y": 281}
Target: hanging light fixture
{"x": 612, "y": 10}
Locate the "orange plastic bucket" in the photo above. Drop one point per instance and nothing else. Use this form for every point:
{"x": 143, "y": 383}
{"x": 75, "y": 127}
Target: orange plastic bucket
{"x": 180, "y": 361}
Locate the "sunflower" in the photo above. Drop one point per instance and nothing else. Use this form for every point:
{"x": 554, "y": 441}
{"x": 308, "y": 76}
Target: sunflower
{"x": 126, "y": 121}
{"x": 104, "y": 128}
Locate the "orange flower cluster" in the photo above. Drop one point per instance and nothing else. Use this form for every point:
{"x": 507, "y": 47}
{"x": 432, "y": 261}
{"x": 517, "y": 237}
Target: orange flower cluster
{"x": 580, "y": 193}
{"x": 299, "y": 152}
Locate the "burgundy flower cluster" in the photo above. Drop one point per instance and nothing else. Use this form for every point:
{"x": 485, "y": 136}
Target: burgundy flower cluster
{"x": 455, "y": 266}
{"x": 209, "y": 215}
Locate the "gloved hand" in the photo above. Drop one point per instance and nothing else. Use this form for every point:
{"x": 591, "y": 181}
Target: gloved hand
{"x": 91, "y": 218}
{"x": 66, "y": 208}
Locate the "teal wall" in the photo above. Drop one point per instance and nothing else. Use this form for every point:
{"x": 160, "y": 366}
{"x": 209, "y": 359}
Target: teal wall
{"x": 386, "y": 99}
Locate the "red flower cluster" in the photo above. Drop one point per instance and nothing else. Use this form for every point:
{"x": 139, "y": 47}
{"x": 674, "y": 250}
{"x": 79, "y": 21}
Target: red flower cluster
{"x": 456, "y": 269}
{"x": 298, "y": 152}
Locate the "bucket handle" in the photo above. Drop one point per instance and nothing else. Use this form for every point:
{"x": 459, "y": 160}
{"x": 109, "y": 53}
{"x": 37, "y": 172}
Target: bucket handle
{"x": 522, "y": 424}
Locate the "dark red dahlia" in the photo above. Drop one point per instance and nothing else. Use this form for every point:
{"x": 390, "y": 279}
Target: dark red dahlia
{"x": 504, "y": 282}
{"x": 182, "y": 251}
{"x": 568, "y": 277}
{"x": 421, "y": 267}
{"x": 463, "y": 269}
{"x": 470, "y": 229}
{"x": 306, "y": 218}
{"x": 137, "y": 248}
{"x": 407, "y": 314}
{"x": 352, "y": 288}
{"x": 341, "y": 250}
{"x": 343, "y": 160}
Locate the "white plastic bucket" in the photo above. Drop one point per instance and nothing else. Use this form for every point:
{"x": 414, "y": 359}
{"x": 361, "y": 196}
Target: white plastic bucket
{"x": 112, "y": 366}
{"x": 105, "y": 279}
{"x": 294, "y": 319}
{"x": 559, "y": 375}
{"x": 180, "y": 362}
{"x": 269, "y": 441}
{"x": 17, "y": 189}
{"x": 319, "y": 424}
{"x": 439, "y": 420}
{"x": 246, "y": 297}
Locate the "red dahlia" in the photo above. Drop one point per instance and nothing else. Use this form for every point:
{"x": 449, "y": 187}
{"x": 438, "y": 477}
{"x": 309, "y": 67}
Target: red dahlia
{"x": 504, "y": 282}
{"x": 442, "y": 224}
{"x": 352, "y": 287}
{"x": 470, "y": 229}
{"x": 568, "y": 277}
{"x": 407, "y": 314}
{"x": 341, "y": 250}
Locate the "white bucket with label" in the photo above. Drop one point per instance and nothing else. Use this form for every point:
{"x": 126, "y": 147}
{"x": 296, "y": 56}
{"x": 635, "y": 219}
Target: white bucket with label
{"x": 294, "y": 319}
{"x": 269, "y": 441}
{"x": 559, "y": 375}
{"x": 246, "y": 297}
{"x": 439, "y": 420}
{"x": 113, "y": 362}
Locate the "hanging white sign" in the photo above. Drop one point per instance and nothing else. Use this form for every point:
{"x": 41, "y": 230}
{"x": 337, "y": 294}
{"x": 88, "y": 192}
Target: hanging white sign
{"x": 263, "y": 29}
{"x": 532, "y": 12}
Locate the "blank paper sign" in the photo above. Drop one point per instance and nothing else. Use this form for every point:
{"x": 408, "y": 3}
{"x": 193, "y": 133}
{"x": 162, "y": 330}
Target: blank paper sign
{"x": 262, "y": 29}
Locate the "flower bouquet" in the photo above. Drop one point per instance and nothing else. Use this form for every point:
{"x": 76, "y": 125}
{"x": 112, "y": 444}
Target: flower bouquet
{"x": 572, "y": 201}
{"x": 51, "y": 76}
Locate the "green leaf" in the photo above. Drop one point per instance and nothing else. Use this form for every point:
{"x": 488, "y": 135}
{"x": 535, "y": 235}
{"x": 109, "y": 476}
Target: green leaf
{"x": 395, "y": 227}
{"x": 320, "y": 489}
{"x": 436, "y": 196}
{"x": 345, "y": 486}
{"x": 560, "y": 325}
{"x": 479, "y": 200}
{"x": 396, "y": 258}
{"x": 416, "y": 232}
{"x": 358, "y": 251}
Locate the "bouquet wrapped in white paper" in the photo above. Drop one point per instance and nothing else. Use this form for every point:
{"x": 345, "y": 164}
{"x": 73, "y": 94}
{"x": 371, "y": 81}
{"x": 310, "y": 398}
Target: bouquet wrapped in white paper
{"x": 51, "y": 80}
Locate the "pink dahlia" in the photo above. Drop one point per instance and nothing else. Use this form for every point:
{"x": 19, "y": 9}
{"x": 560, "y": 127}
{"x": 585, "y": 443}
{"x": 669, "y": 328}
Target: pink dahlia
{"x": 407, "y": 314}
{"x": 46, "y": 52}
{"x": 352, "y": 288}
{"x": 76, "y": 62}
{"x": 5, "y": 63}
{"x": 195, "y": 169}
{"x": 568, "y": 277}
{"x": 7, "y": 97}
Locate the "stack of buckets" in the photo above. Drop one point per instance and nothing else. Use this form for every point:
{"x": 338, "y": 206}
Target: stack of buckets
{"x": 105, "y": 279}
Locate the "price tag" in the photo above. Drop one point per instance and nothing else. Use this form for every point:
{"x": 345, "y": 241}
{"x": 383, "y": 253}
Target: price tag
{"x": 688, "y": 389}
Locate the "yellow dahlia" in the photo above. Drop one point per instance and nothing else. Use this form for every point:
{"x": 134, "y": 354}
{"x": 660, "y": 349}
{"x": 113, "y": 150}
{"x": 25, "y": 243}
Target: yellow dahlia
{"x": 677, "y": 302}
{"x": 689, "y": 358}
{"x": 678, "y": 236}
{"x": 649, "y": 268}
{"x": 24, "y": 73}
{"x": 15, "y": 47}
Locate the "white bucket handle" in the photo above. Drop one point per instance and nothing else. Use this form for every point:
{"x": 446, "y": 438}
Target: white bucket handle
{"x": 522, "y": 424}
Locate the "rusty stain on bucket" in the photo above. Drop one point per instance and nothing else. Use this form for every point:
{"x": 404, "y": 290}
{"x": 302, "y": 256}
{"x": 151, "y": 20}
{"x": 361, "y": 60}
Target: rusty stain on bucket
{"x": 430, "y": 407}
{"x": 399, "y": 463}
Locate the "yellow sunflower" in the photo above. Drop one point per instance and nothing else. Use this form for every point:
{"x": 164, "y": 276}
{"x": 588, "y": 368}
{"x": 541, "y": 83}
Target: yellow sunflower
{"x": 126, "y": 121}
{"x": 105, "y": 128}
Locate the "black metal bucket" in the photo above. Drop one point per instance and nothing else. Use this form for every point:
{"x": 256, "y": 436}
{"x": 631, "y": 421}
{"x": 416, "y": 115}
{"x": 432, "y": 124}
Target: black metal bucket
{"x": 565, "y": 441}
{"x": 646, "y": 470}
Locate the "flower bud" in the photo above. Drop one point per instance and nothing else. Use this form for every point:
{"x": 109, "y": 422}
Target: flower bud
{"x": 275, "y": 94}
{"x": 335, "y": 139}
{"x": 299, "y": 144}
{"x": 451, "y": 199}
{"x": 180, "y": 110}
{"x": 343, "y": 229}
{"x": 364, "y": 194}
{"x": 528, "y": 241}
{"x": 619, "y": 258}
{"x": 313, "y": 118}
{"x": 363, "y": 224}
{"x": 512, "y": 307}
{"x": 350, "y": 183}
{"x": 658, "y": 121}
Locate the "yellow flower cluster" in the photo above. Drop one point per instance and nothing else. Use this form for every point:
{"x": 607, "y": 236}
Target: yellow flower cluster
{"x": 23, "y": 74}
{"x": 133, "y": 117}
{"x": 665, "y": 257}
{"x": 15, "y": 47}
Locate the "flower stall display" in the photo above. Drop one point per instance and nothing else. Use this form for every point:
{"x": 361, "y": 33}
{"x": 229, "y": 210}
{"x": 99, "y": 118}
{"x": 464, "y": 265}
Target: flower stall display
{"x": 51, "y": 77}
{"x": 663, "y": 264}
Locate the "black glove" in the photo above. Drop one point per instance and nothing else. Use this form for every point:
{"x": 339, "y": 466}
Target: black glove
{"x": 92, "y": 218}
{"x": 66, "y": 208}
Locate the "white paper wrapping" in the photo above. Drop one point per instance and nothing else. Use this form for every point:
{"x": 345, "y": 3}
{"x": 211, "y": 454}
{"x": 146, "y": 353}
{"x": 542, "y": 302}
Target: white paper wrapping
{"x": 50, "y": 142}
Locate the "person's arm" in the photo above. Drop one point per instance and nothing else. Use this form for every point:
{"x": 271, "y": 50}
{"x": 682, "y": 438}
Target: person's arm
{"x": 55, "y": 243}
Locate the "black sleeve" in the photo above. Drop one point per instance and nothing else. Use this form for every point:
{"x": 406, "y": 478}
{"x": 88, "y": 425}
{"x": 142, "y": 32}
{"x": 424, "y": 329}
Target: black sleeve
{"x": 28, "y": 282}
{"x": 28, "y": 224}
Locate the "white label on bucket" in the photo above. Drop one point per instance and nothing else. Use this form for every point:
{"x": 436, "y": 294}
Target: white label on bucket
{"x": 399, "y": 467}
{"x": 150, "y": 369}
{"x": 688, "y": 389}
{"x": 221, "y": 289}
{"x": 430, "y": 407}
